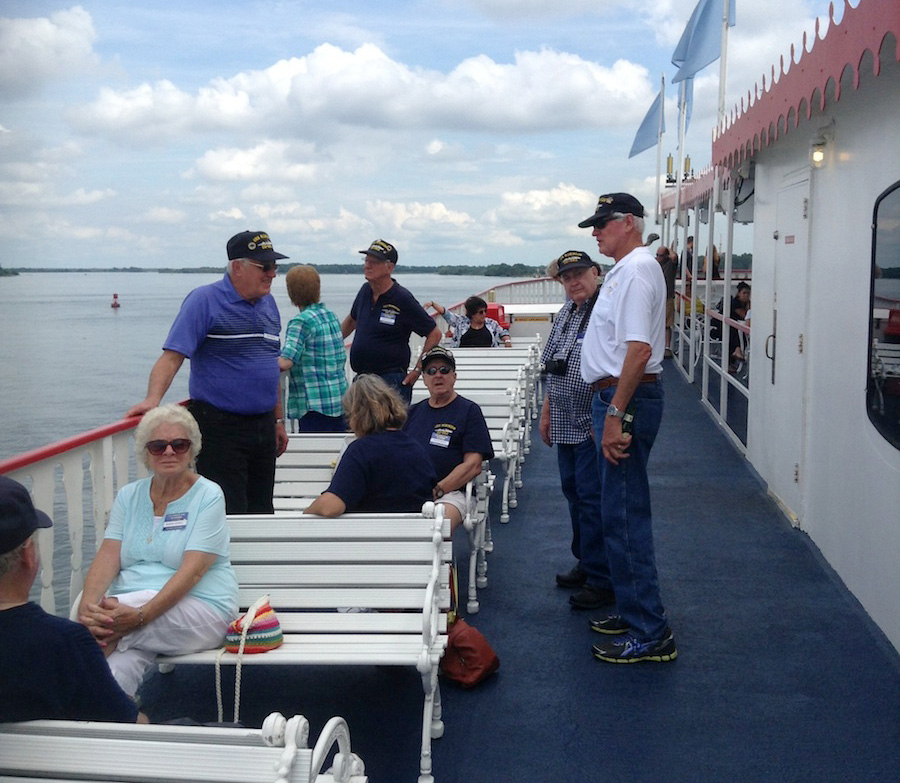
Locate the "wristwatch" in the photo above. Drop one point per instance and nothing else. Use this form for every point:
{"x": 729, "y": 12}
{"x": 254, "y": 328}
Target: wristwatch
{"x": 612, "y": 410}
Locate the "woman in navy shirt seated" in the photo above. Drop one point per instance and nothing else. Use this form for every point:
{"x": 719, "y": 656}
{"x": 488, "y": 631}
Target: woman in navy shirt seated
{"x": 384, "y": 469}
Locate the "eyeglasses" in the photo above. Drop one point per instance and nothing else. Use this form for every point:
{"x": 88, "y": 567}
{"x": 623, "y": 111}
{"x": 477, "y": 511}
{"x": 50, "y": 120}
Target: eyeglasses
{"x": 443, "y": 370}
{"x": 269, "y": 266}
{"x": 179, "y": 446}
{"x": 601, "y": 224}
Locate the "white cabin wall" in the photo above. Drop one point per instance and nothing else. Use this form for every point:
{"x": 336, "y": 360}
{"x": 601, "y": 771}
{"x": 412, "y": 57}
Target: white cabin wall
{"x": 850, "y": 476}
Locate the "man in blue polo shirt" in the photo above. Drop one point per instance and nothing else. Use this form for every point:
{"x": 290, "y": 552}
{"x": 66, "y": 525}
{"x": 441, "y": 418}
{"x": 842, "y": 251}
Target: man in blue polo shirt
{"x": 384, "y": 315}
{"x": 230, "y": 331}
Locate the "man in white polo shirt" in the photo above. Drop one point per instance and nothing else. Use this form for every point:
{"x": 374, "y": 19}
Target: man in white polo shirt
{"x": 621, "y": 359}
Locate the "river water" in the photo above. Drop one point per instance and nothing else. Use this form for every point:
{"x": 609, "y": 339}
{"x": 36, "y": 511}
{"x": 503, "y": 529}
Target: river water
{"x": 69, "y": 362}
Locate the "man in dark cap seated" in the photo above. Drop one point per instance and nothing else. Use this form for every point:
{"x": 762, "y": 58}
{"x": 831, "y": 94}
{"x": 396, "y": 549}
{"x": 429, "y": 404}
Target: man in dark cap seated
{"x": 49, "y": 667}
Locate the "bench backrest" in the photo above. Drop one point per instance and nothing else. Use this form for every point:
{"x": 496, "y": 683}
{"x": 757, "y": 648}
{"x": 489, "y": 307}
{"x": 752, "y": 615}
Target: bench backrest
{"x": 307, "y": 564}
{"x": 132, "y": 755}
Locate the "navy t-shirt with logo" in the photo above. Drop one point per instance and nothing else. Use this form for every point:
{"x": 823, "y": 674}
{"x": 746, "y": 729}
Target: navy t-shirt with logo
{"x": 450, "y": 432}
{"x": 383, "y": 328}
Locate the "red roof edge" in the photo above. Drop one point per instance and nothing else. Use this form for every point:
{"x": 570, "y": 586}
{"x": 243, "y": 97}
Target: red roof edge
{"x": 862, "y": 29}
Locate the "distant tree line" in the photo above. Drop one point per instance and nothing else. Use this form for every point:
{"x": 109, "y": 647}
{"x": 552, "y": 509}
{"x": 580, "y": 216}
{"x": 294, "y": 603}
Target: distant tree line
{"x": 739, "y": 261}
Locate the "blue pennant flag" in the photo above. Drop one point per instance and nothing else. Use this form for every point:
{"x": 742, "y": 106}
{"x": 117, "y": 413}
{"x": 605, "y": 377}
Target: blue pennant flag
{"x": 686, "y": 98}
{"x": 701, "y": 41}
{"x": 653, "y": 125}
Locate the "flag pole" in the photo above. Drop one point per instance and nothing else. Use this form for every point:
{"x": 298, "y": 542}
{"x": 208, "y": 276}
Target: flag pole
{"x": 659, "y": 135}
{"x": 682, "y": 120}
{"x": 720, "y": 117}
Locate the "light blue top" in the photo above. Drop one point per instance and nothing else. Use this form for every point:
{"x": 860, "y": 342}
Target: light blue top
{"x": 153, "y": 548}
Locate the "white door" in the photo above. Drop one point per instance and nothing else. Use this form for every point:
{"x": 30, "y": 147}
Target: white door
{"x": 786, "y": 363}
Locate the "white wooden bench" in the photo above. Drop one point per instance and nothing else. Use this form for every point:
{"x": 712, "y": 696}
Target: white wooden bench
{"x": 305, "y": 470}
{"x": 311, "y": 566}
{"x": 885, "y": 367}
{"x": 62, "y": 750}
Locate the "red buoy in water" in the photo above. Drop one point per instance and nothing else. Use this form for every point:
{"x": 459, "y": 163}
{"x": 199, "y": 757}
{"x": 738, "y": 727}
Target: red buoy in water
{"x": 115, "y": 301}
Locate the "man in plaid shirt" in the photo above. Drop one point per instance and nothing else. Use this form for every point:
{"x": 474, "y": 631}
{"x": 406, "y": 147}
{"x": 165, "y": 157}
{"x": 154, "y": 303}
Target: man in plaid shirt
{"x": 566, "y": 422}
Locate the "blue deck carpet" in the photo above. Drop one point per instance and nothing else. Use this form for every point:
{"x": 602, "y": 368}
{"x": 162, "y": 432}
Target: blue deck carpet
{"x": 780, "y": 675}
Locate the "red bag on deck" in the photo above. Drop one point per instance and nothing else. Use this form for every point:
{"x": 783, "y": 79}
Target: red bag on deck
{"x": 468, "y": 658}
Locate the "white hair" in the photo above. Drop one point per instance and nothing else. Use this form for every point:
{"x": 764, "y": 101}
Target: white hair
{"x": 638, "y": 221}
{"x": 8, "y": 560}
{"x": 166, "y": 414}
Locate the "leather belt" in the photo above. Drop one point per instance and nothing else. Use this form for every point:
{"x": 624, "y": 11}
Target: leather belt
{"x": 608, "y": 383}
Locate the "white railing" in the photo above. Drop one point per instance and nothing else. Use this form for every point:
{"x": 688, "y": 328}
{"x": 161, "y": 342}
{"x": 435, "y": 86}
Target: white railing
{"x": 75, "y": 482}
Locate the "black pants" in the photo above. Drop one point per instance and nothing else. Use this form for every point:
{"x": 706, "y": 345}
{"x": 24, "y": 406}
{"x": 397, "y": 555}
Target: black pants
{"x": 238, "y": 453}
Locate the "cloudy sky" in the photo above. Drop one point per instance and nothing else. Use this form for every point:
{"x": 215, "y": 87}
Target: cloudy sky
{"x": 463, "y": 131}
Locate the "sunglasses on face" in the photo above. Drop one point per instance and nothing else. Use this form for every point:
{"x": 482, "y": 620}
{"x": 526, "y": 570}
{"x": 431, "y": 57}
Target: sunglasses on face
{"x": 179, "y": 446}
{"x": 443, "y": 370}
{"x": 601, "y": 224}
{"x": 268, "y": 266}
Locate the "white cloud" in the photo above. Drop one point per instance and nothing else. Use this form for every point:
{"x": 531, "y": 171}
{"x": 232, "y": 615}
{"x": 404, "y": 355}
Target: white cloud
{"x": 268, "y": 161}
{"x": 35, "y": 51}
{"x": 164, "y": 215}
{"x": 311, "y": 96}
{"x": 478, "y": 129}
{"x": 227, "y": 214}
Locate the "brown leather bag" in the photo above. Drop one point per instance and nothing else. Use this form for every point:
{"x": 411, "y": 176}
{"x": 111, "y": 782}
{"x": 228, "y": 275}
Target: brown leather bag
{"x": 468, "y": 658}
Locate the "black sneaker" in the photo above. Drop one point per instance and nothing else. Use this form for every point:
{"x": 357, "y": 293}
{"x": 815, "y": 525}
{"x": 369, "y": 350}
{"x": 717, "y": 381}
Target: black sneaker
{"x": 574, "y": 578}
{"x": 610, "y": 624}
{"x": 627, "y": 649}
{"x": 590, "y": 597}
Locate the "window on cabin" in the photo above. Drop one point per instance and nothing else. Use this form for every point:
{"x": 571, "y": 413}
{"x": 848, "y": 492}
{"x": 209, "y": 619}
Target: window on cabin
{"x": 883, "y": 387}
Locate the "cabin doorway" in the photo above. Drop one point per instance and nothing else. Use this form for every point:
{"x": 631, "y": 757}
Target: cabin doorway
{"x": 786, "y": 426}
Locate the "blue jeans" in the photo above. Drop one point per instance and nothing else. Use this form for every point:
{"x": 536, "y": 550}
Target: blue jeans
{"x": 580, "y": 482}
{"x": 627, "y": 521}
{"x": 395, "y": 381}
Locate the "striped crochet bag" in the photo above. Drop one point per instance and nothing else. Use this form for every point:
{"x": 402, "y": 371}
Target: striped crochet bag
{"x": 258, "y": 631}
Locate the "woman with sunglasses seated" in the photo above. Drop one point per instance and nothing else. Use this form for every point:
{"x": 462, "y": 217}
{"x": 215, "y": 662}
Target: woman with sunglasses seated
{"x": 384, "y": 469}
{"x": 474, "y": 329}
{"x": 161, "y": 581}
{"x": 453, "y": 431}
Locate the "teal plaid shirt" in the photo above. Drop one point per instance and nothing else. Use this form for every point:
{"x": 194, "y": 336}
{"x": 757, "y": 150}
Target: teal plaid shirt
{"x": 318, "y": 379}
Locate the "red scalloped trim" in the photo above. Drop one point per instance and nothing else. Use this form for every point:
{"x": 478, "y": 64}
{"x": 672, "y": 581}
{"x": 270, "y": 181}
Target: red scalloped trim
{"x": 777, "y": 109}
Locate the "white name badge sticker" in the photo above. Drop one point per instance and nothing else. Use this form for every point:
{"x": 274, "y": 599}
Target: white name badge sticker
{"x": 440, "y": 439}
{"x": 175, "y": 521}
{"x": 388, "y": 317}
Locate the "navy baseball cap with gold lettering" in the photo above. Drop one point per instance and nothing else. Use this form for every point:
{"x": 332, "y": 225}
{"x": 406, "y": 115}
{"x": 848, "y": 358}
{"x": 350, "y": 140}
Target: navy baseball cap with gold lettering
{"x": 571, "y": 259}
{"x": 18, "y": 516}
{"x": 438, "y": 352}
{"x": 610, "y": 204}
{"x": 383, "y": 250}
{"x": 254, "y": 245}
